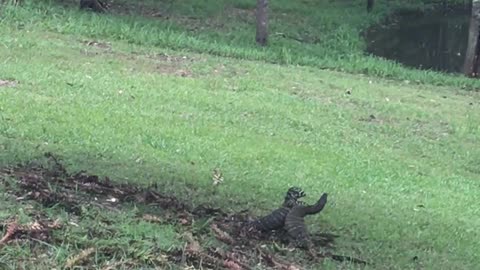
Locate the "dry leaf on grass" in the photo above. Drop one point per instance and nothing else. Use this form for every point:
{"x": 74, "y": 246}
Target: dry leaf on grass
{"x": 12, "y": 229}
{"x": 217, "y": 176}
{"x": 34, "y": 229}
{"x": 78, "y": 259}
{"x": 152, "y": 218}
{"x": 119, "y": 265}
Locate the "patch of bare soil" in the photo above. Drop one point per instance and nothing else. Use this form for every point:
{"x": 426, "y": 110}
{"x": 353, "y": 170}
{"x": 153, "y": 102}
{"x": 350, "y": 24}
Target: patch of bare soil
{"x": 8, "y": 83}
{"x": 98, "y": 44}
{"x": 173, "y": 65}
{"x": 373, "y": 119}
{"x": 152, "y": 62}
{"x": 433, "y": 129}
{"x": 237, "y": 247}
{"x": 170, "y": 64}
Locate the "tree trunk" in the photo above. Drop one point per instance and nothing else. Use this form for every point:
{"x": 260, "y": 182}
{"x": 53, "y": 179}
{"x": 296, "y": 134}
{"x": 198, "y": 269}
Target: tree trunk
{"x": 370, "y": 5}
{"x": 262, "y": 22}
{"x": 472, "y": 55}
{"x": 94, "y": 5}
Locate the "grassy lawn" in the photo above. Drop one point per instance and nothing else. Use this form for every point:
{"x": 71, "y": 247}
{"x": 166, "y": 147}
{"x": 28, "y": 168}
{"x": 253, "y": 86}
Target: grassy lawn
{"x": 400, "y": 161}
{"x": 321, "y": 33}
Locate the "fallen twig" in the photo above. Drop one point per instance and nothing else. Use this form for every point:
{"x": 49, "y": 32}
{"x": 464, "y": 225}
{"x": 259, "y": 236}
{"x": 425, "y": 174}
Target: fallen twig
{"x": 12, "y": 229}
{"x": 221, "y": 235}
{"x": 231, "y": 258}
{"x": 123, "y": 264}
{"x": 15, "y": 230}
{"x": 275, "y": 262}
{"x": 152, "y": 218}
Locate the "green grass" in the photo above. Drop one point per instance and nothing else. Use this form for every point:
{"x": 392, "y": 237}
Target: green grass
{"x": 330, "y": 31}
{"x": 125, "y": 110}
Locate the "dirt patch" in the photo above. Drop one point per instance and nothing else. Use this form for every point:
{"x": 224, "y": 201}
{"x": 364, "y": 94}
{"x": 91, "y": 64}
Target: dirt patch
{"x": 163, "y": 57}
{"x": 8, "y": 83}
{"x": 167, "y": 64}
{"x": 94, "y": 48}
{"x": 98, "y": 44}
{"x": 374, "y": 119}
{"x": 55, "y": 186}
{"x": 39, "y": 229}
{"x": 235, "y": 248}
{"x": 433, "y": 130}
{"x": 148, "y": 62}
{"x": 174, "y": 65}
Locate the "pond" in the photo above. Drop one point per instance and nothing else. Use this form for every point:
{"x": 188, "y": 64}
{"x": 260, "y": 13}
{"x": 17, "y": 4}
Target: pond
{"x": 435, "y": 40}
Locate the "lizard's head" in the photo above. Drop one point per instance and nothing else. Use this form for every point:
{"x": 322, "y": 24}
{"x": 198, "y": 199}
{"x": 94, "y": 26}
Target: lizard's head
{"x": 292, "y": 196}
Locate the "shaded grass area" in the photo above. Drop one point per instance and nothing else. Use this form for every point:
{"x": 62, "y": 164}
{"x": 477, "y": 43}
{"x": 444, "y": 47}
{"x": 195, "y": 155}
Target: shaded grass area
{"x": 98, "y": 224}
{"x": 397, "y": 160}
{"x": 324, "y": 34}
{"x": 104, "y": 224}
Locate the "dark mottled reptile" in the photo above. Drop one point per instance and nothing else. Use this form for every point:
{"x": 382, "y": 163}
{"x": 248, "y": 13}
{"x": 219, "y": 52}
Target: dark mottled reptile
{"x": 276, "y": 219}
{"x": 295, "y": 221}
{"x": 290, "y": 217}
